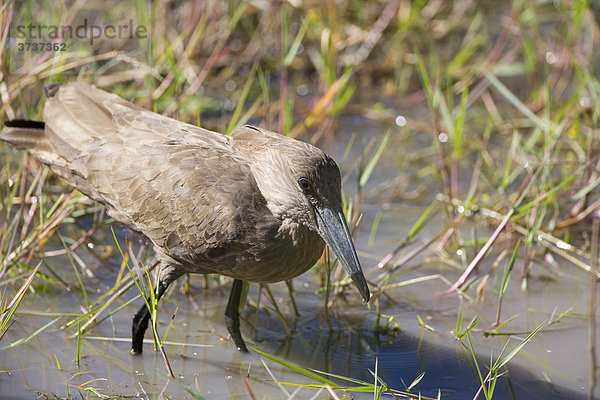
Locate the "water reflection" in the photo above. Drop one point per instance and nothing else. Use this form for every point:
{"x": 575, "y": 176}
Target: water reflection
{"x": 352, "y": 352}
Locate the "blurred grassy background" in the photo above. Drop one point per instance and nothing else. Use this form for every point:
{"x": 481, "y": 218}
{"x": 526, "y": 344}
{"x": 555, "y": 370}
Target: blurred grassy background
{"x": 511, "y": 91}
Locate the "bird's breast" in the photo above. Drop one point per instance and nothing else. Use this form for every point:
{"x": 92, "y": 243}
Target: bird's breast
{"x": 280, "y": 252}
{"x": 291, "y": 252}
{"x": 273, "y": 253}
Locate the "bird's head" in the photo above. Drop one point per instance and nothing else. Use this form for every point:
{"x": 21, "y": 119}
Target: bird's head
{"x": 303, "y": 184}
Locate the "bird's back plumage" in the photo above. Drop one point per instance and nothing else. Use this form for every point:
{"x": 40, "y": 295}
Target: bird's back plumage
{"x": 191, "y": 191}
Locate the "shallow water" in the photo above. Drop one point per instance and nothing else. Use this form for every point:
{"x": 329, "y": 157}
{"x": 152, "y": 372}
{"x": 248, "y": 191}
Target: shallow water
{"x": 209, "y": 365}
{"x": 554, "y": 365}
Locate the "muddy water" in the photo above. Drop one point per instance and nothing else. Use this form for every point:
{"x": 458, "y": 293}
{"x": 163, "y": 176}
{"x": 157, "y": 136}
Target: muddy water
{"x": 554, "y": 365}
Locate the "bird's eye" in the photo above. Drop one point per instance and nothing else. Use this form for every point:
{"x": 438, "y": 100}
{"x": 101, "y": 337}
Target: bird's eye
{"x": 304, "y": 184}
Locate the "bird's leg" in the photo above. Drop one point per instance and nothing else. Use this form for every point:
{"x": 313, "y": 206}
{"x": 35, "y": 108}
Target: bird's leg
{"x": 232, "y": 315}
{"x": 141, "y": 318}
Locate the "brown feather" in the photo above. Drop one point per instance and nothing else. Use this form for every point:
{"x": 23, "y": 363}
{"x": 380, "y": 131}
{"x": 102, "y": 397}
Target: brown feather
{"x": 191, "y": 191}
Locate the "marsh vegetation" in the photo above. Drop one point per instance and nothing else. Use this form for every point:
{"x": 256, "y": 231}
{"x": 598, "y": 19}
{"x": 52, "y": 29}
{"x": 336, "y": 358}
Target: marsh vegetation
{"x": 468, "y": 138}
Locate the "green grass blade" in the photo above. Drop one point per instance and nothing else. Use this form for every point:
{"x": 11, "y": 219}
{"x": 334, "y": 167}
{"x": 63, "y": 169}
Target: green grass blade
{"x": 78, "y": 344}
{"x": 513, "y": 353}
{"x": 287, "y": 61}
{"x": 374, "y": 228}
{"x": 420, "y": 222}
{"x": 9, "y": 311}
{"x": 416, "y": 381}
{"x": 366, "y": 174}
{"x": 424, "y": 77}
{"x": 242, "y": 100}
{"x": 300, "y": 370}
{"x": 34, "y": 334}
{"x": 506, "y": 276}
{"x": 508, "y": 95}
{"x": 458, "y": 138}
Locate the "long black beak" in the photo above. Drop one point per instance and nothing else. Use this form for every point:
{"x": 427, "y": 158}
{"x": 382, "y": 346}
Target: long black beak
{"x": 334, "y": 231}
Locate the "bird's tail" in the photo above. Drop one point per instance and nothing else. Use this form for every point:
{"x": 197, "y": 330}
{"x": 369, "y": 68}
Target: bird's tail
{"x": 31, "y": 136}
{"x": 25, "y": 135}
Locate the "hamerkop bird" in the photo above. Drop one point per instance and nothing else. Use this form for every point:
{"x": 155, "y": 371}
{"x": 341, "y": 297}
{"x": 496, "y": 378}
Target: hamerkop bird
{"x": 255, "y": 206}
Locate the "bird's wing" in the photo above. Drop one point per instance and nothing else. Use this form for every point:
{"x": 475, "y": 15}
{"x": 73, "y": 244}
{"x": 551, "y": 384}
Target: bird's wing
{"x": 86, "y": 114}
{"x": 184, "y": 187}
